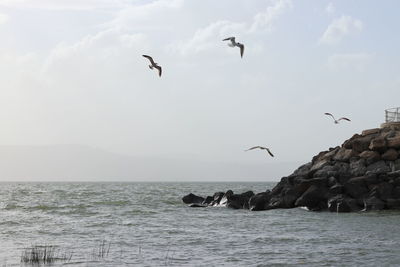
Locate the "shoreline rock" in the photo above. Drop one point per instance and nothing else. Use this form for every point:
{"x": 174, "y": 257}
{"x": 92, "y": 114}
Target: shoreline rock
{"x": 361, "y": 174}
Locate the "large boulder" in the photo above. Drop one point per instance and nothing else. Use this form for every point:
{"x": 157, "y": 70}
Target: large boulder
{"x": 314, "y": 198}
{"x": 342, "y": 203}
{"x": 391, "y": 154}
{"x": 344, "y": 154}
{"x": 260, "y": 201}
{"x": 393, "y": 142}
{"x": 370, "y": 156}
{"x": 378, "y": 144}
{"x": 192, "y": 199}
{"x": 378, "y": 167}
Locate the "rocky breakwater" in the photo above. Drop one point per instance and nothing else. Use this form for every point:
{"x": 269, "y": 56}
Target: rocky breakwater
{"x": 361, "y": 174}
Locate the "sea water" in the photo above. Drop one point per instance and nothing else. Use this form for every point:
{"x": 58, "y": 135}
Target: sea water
{"x": 147, "y": 224}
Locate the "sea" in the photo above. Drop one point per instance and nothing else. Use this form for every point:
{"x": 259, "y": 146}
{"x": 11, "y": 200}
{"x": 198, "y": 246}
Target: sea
{"x": 147, "y": 224}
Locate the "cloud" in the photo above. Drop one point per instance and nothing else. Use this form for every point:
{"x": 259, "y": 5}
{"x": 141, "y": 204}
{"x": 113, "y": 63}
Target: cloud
{"x": 339, "y": 29}
{"x": 330, "y": 8}
{"x": 65, "y": 4}
{"x": 205, "y": 38}
{"x": 263, "y": 21}
{"x": 356, "y": 61}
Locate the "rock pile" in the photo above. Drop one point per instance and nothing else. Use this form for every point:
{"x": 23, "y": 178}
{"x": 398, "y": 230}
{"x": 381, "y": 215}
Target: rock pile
{"x": 361, "y": 174}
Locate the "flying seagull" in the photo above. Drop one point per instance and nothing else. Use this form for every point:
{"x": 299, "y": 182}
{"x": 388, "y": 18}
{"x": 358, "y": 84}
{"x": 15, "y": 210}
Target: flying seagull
{"x": 233, "y": 43}
{"x": 336, "y": 120}
{"x": 261, "y": 147}
{"x": 153, "y": 64}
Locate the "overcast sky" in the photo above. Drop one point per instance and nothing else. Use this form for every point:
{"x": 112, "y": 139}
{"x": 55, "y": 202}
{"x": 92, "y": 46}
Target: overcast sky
{"x": 71, "y": 72}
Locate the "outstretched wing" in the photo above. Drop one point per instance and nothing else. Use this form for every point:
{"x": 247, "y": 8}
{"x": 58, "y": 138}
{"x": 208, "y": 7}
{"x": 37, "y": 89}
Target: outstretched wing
{"x": 159, "y": 70}
{"x": 343, "y": 118}
{"x": 149, "y": 58}
{"x": 229, "y": 38}
{"x": 269, "y": 152}
{"x": 329, "y": 114}
{"x": 254, "y": 147}
{"x": 241, "y": 46}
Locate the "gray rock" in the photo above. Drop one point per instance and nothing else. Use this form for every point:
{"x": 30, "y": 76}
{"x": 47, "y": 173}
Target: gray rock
{"x": 378, "y": 167}
{"x": 357, "y": 167}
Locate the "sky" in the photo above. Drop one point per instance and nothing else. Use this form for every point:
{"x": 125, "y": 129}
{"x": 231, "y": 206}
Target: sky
{"x": 72, "y": 73}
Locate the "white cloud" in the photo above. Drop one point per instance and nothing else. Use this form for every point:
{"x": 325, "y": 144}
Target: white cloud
{"x": 65, "y": 4}
{"x": 206, "y": 37}
{"x": 340, "y": 28}
{"x": 355, "y": 61}
{"x": 330, "y": 8}
{"x": 263, "y": 20}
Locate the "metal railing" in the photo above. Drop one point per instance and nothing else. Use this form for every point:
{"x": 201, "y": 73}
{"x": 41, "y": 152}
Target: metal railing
{"x": 392, "y": 115}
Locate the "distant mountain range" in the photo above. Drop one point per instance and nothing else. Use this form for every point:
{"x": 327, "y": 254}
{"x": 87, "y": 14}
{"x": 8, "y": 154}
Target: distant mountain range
{"x": 84, "y": 163}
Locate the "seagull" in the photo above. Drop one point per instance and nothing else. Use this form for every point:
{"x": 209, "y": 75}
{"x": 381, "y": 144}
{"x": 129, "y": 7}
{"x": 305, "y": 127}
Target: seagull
{"x": 234, "y": 43}
{"x": 261, "y": 147}
{"x": 153, "y": 64}
{"x": 336, "y": 120}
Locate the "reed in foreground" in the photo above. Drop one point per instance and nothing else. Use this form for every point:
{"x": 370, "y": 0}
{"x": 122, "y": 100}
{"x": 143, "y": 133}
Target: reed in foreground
{"x": 44, "y": 255}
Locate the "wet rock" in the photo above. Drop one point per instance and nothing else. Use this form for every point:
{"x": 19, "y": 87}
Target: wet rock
{"x": 373, "y": 203}
{"x": 384, "y": 190}
{"x": 208, "y": 200}
{"x": 341, "y": 203}
{"x": 393, "y": 203}
{"x": 225, "y": 198}
{"x": 192, "y": 199}
{"x": 260, "y": 201}
{"x": 198, "y": 205}
{"x": 356, "y": 188}
{"x": 239, "y": 201}
{"x": 336, "y": 189}
{"x": 217, "y": 198}
{"x": 314, "y": 198}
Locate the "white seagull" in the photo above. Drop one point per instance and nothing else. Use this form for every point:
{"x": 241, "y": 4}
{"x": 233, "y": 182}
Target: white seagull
{"x": 233, "y": 43}
{"x": 153, "y": 64}
{"x": 261, "y": 147}
{"x": 336, "y": 120}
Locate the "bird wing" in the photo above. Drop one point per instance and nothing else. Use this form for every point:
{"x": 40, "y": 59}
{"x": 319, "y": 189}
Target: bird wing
{"x": 159, "y": 70}
{"x": 254, "y": 147}
{"x": 269, "y": 152}
{"x": 329, "y": 114}
{"x": 229, "y": 38}
{"x": 343, "y": 118}
{"x": 241, "y": 46}
{"x": 149, "y": 58}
